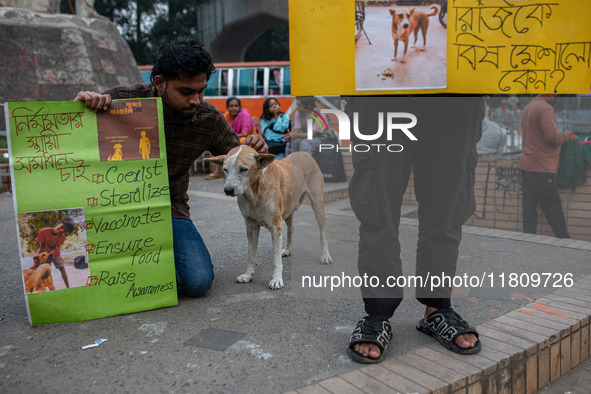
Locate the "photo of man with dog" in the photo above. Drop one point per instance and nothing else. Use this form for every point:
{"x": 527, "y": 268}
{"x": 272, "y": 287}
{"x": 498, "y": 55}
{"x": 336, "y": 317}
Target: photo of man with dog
{"x": 53, "y": 238}
{"x": 404, "y": 47}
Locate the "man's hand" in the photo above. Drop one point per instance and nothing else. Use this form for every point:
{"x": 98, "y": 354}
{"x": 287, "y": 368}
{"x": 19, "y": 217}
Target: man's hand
{"x": 94, "y": 101}
{"x": 257, "y": 143}
{"x": 287, "y": 136}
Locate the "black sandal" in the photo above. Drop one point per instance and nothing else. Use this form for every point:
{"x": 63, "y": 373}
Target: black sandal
{"x": 445, "y": 325}
{"x": 370, "y": 330}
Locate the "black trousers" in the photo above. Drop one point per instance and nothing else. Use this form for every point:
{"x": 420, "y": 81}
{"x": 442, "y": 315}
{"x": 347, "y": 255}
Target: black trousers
{"x": 443, "y": 161}
{"x": 541, "y": 188}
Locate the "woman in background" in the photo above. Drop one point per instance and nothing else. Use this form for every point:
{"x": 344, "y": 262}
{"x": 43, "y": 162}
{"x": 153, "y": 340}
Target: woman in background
{"x": 242, "y": 124}
{"x": 274, "y": 125}
{"x": 239, "y": 118}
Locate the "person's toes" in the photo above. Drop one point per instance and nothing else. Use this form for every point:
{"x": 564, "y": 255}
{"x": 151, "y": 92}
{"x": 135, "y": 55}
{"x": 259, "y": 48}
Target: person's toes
{"x": 466, "y": 341}
{"x": 374, "y": 351}
{"x": 367, "y": 350}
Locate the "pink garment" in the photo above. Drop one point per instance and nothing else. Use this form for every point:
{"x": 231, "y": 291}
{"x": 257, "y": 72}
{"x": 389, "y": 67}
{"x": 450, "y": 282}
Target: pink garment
{"x": 243, "y": 122}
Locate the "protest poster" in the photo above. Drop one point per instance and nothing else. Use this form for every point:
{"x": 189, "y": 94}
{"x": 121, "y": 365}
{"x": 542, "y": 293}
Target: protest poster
{"x": 478, "y": 47}
{"x": 92, "y": 202}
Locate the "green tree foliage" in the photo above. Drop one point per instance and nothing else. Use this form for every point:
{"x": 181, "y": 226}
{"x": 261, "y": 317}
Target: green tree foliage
{"x": 147, "y": 24}
{"x": 132, "y": 18}
{"x": 180, "y": 20}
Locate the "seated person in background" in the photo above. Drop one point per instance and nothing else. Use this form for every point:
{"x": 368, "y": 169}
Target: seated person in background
{"x": 242, "y": 124}
{"x": 240, "y": 119}
{"x": 274, "y": 125}
{"x": 298, "y": 137}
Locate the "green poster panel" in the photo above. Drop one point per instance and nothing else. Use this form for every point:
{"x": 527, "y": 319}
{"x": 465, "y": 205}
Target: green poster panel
{"x": 92, "y": 202}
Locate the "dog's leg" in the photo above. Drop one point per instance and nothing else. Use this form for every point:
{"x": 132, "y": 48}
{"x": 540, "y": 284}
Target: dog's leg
{"x": 252, "y": 233}
{"x": 289, "y": 224}
{"x": 416, "y": 33}
{"x": 424, "y": 31}
{"x": 277, "y": 281}
{"x": 405, "y": 49}
{"x": 318, "y": 208}
{"x": 395, "y": 48}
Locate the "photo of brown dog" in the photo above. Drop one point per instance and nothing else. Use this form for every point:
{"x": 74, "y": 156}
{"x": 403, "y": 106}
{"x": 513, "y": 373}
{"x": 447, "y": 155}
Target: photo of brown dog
{"x": 38, "y": 278}
{"x": 389, "y": 54}
{"x": 405, "y": 23}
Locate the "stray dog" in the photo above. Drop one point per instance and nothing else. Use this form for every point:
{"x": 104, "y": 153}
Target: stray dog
{"x": 269, "y": 192}
{"x": 405, "y": 22}
{"x": 38, "y": 278}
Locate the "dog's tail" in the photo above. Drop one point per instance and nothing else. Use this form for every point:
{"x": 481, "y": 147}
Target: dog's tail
{"x": 435, "y": 8}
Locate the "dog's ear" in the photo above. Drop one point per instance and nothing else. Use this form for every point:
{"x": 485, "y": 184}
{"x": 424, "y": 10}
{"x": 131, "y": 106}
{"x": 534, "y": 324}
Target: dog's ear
{"x": 411, "y": 11}
{"x": 265, "y": 159}
{"x": 50, "y": 257}
{"x": 216, "y": 159}
{"x": 392, "y": 11}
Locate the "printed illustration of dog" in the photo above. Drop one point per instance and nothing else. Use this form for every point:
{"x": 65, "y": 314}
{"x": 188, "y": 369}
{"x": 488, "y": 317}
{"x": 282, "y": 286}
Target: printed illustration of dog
{"x": 38, "y": 277}
{"x": 118, "y": 155}
{"x": 40, "y": 280}
{"x": 269, "y": 192}
{"x": 405, "y": 22}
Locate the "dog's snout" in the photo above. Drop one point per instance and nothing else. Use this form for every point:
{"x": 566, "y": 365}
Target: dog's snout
{"x": 229, "y": 191}
{"x": 405, "y": 25}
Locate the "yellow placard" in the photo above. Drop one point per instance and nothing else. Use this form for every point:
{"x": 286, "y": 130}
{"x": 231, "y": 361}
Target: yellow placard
{"x": 488, "y": 47}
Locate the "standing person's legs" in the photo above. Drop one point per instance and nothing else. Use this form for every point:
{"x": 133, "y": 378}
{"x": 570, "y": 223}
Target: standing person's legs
{"x": 546, "y": 189}
{"x": 376, "y": 191}
{"x": 376, "y": 194}
{"x": 194, "y": 269}
{"x": 58, "y": 262}
{"x": 444, "y": 175}
{"x": 530, "y": 202}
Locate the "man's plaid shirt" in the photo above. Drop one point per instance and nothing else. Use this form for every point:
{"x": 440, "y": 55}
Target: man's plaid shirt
{"x": 186, "y": 140}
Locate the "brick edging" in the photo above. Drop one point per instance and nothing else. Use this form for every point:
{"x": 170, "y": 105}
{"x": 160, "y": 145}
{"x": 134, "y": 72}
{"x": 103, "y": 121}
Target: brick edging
{"x": 523, "y": 351}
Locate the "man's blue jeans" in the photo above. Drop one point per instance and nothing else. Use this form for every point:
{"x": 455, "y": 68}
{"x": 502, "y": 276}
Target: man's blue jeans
{"x": 194, "y": 270}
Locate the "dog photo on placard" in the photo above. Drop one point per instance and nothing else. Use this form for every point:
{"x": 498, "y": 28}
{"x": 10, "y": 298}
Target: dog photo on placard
{"x": 53, "y": 250}
{"x": 400, "y": 45}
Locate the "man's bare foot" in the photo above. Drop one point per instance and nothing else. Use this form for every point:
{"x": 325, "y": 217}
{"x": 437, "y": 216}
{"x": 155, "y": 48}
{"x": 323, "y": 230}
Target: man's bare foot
{"x": 465, "y": 341}
{"x": 370, "y": 340}
{"x": 370, "y": 350}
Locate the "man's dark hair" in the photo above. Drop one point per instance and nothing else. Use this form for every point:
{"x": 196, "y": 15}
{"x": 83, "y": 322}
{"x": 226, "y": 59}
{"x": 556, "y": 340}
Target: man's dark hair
{"x": 182, "y": 57}
{"x": 68, "y": 224}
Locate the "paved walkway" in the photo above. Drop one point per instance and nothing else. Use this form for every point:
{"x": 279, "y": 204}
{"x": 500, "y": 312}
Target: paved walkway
{"x": 246, "y": 338}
